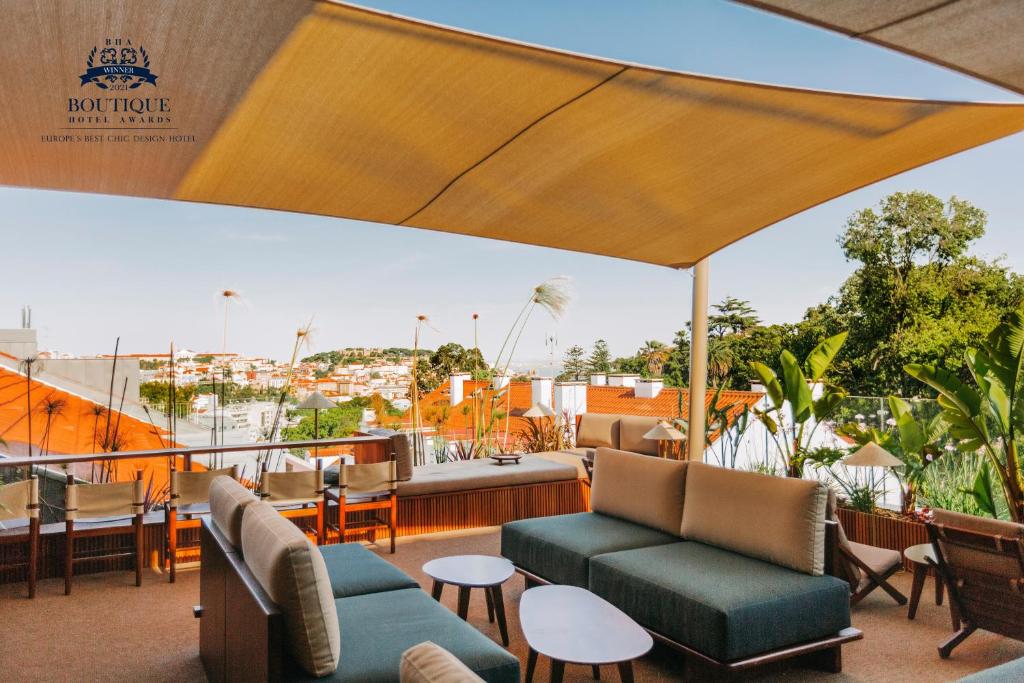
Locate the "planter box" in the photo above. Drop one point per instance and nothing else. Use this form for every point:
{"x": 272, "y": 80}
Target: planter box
{"x": 882, "y": 531}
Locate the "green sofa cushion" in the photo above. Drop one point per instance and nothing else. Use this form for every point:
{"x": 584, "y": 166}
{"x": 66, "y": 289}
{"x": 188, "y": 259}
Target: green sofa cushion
{"x": 377, "y": 628}
{"x": 355, "y": 570}
{"x": 558, "y": 548}
{"x": 1010, "y": 671}
{"x": 720, "y": 603}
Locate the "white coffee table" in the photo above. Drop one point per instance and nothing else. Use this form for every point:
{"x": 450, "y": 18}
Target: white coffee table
{"x": 571, "y": 625}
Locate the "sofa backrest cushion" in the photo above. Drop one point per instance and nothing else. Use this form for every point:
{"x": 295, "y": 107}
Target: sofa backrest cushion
{"x": 780, "y": 520}
{"x": 228, "y": 500}
{"x": 430, "y": 663}
{"x": 293, "y": 573}
{"x": 597, "y": 431}
{"x": 639, "y": 488}
{"x": 402, "y": 448}
{"x": 631, "y": 434}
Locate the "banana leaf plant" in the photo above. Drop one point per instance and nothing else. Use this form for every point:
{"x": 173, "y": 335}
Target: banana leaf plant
{"x": 989, "y": 416}
{"x": 918, "y": 443}
{"x": 793, "y": 391}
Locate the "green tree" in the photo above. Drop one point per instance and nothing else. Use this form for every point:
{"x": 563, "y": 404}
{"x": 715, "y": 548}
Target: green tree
{"x": 574, "y": 363}
{"x": 733, "y": 316}
{"x": 677, "y": 367}
{"x": 600, "y": 359}
{"x": 447, "y": 359}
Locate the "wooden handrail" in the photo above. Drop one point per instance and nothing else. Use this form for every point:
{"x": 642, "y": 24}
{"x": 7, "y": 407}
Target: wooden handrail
{"x": 168, "y": 452}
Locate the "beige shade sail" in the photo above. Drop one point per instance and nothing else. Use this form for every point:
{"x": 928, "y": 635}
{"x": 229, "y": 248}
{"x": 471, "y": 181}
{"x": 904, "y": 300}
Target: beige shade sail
{"x": 329, "y": 109}
{"x": 981, "y": 38}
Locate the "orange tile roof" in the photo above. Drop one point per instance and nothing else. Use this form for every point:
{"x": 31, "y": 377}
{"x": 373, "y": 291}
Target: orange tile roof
{"x": 75, "y": 428}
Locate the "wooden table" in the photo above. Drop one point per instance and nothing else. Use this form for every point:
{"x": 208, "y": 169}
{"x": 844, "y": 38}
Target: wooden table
{"x": 922, "y": 557}
{"x": 474, "y": 571}
{"x": 571, "y": 625}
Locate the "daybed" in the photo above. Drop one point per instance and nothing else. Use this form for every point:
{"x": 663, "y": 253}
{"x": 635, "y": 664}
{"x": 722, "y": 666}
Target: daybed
{"x": 732, "y": 573}
{"x": 275, "y": 607}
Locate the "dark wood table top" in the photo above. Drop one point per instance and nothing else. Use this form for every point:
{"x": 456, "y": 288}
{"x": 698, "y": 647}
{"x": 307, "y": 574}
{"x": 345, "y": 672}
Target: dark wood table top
{"x": 474, "y": 571}
{"x": 573, "y": 625}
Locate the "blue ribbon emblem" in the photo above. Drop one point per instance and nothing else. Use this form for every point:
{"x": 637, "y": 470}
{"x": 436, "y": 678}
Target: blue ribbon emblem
{"x": 97, "y": 73}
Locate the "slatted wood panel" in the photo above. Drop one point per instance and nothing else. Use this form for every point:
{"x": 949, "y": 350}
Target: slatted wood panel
{"x": 882, "y": 532}
{"x": 416, "y": 515}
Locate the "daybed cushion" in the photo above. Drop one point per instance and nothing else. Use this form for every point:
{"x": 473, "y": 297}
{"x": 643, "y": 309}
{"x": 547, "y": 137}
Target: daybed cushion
{"x": 483, "y": 473}
{"x": 355, "y": 570}
{"x": 631, "y": 434}
{"x": 228, "y": 500}
{"x": 559, "y": 548}
{"x": 430, "y": 663}
{"x": 569, "y": 456}
{"x": 721, "y": 603}
{"x": 781, "y": 520}
{"x": 639, "y": 488}
{"x": 381, "y": 626}
{"x": 293, "y": 573}
{"x": 597, "y": 430}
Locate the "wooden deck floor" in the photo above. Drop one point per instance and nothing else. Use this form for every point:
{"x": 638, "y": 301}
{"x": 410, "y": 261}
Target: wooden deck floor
{"x": 108, "y": 630}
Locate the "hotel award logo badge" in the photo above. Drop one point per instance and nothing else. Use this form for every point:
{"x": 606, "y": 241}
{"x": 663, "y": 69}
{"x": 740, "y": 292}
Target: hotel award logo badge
{"x": 121, "y": 66}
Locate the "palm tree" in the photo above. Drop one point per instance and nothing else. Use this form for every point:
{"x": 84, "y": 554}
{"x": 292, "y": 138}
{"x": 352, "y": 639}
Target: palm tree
{"x": 654, "y": 354}
{"x": 721, "y": 357}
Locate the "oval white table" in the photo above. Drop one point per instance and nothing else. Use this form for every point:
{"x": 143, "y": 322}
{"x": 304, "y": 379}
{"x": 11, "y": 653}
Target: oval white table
{"x": 473, "y": 571}
{"x": 571, "y": 625}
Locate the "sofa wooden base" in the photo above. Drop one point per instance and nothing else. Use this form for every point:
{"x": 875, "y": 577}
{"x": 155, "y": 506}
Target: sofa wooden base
{"x": 824, "y": 654}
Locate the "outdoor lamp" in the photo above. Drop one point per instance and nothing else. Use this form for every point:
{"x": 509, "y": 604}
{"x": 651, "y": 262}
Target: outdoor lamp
{"x": 872, "y": 455}
{"x": 316, "y": 402}
{"x": 664, "y": 432}
{"x": 539, "y": 410}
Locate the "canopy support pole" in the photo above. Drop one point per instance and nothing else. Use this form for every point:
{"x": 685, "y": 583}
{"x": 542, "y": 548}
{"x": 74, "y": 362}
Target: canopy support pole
{"x": 698, "y": 361}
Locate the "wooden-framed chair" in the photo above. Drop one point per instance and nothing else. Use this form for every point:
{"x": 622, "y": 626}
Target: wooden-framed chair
{"x": 864, "y": 567}
{"x": 370, "y": 487}
{"x": 93, "y": 510}
{"x": 19, "y": 502}
{"x": 982, "y": 563}
{"x": 297, "y": 494}
{"x": 189, "y": 501}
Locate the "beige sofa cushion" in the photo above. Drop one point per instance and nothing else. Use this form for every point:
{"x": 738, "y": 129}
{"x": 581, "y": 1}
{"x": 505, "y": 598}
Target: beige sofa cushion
{"x": 293, "y": 573}
{"x": 775, "y": 519}
{"x": 430, "y": 663}
{"x": 597, "y": 430}
{"x": 228, "y": 500}
{"x": 631, "y": 434}
{"x": 639, "y": 488}
{"x": 483, "y": 473}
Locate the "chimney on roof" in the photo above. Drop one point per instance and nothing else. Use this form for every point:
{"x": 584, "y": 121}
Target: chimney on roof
{"x": 570, "y": 400}
{"x": 622, "y": 380}
{"x": 599, "y": 379}
{"x": 455, "y": 387}
{"x": 540, "y": 391}
{"x": 501, "y": 380}
{"x": 648, "y": 388}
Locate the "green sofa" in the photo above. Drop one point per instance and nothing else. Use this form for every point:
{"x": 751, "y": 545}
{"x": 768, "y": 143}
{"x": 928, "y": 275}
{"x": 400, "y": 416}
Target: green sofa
{"x": 274, "y": 607}
{"x": 1010, "y": 671}
{"x": 728, "y": 566}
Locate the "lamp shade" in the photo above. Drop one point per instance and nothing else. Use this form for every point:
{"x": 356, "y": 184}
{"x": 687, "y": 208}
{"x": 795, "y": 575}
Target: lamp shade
{"x": 663, "y": 431}
{"x": 539, "y": 410}
{"x": 317, "y": 401}
{"x": 872, "y": 455}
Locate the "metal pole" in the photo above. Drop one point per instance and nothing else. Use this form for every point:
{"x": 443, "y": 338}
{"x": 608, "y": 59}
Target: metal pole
{"x": 698, "y": 361}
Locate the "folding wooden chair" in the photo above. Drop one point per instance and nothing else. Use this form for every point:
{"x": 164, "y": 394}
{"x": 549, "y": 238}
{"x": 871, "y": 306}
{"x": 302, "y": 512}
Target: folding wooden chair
{"x": 982, "y": 563}
{"x": 95, "y": 510}
{"x": 189, "y": 502}
{"x": 373, "y": 488}
{"x": 19, "y": 523}
{"x": 864, "y": 567}
{"x": 296, "y": 494}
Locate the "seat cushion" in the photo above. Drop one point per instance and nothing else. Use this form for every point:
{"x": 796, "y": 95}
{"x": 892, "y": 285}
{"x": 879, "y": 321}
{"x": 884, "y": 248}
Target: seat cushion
{"x": 723, "y": 604}
{"x": 430, "y": 663}
{"x": 778, "y": 519}
{"x": 355, "y": 570}
{"x": 381, "y": 626}
{"x": 631, "y": 434}
{"x": 881, "y": 560}
{"x": 228, "y": 500}
{"x": 483, "y": 473}
{"x": 292, "y": 572}
{"x": 559, "y": 548}
{"x": 1010, "y": 671}
{"x": 639, "y": 488}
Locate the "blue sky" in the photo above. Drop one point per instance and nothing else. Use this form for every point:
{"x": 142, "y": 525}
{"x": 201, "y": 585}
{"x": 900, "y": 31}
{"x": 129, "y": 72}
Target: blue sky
{"x": 366, "y": 283}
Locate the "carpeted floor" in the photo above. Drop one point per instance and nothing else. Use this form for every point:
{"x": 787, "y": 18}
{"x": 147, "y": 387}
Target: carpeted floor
{"x": 108, "y": 630}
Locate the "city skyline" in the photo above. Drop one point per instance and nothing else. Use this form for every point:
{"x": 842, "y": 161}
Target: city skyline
{"x": 149, "y": 272}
